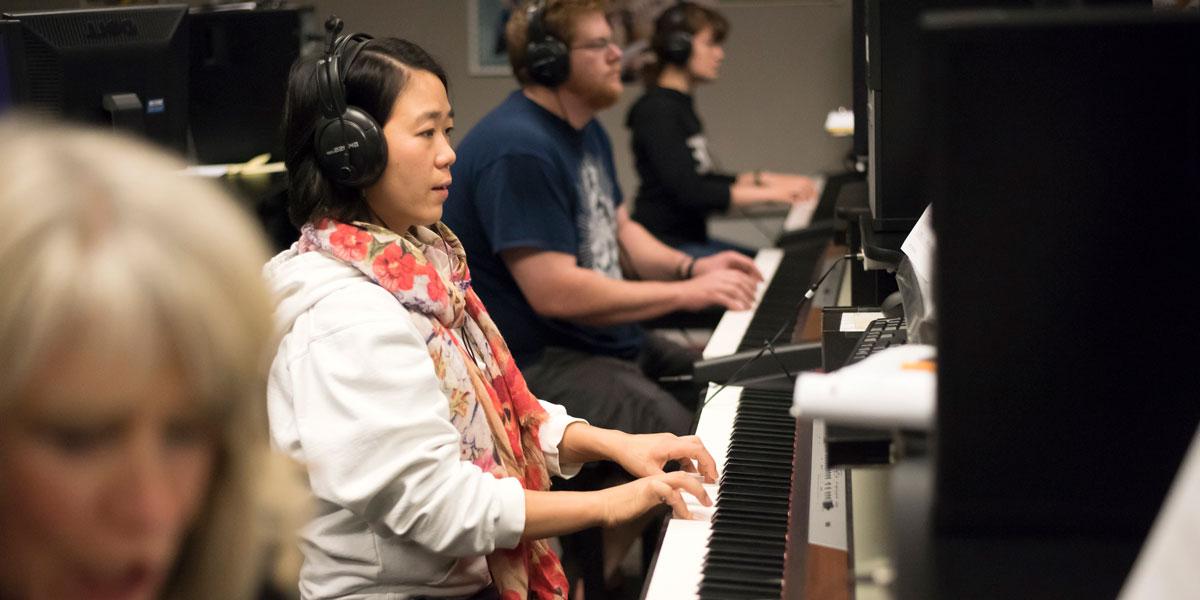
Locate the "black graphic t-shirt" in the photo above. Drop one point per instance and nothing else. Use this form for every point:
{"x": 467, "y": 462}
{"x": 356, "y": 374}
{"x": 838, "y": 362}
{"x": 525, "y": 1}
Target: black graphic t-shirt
{"x": 680, "y": 184}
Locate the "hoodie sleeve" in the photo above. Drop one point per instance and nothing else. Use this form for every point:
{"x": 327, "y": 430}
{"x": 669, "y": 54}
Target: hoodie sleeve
{"x": 375, "y": 428}
{"x": 550, "y": 435}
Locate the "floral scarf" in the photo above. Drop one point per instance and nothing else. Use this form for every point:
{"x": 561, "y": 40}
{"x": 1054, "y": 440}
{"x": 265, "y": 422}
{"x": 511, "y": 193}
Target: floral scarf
{"x": 495, "y": 414}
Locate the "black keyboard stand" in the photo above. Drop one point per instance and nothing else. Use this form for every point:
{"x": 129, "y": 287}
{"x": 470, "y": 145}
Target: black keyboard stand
{"x": 785, "y": 358}
{"x": 817, "y": 229}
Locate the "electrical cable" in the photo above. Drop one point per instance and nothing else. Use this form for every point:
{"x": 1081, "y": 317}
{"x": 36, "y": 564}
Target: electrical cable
{"x": 769, "y": 345}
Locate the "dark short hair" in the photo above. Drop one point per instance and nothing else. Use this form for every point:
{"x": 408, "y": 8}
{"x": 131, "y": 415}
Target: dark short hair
{"x": 373, "y": 82}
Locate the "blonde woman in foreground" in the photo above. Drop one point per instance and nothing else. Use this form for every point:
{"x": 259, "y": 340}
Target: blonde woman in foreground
{"x": 136, "y": 333}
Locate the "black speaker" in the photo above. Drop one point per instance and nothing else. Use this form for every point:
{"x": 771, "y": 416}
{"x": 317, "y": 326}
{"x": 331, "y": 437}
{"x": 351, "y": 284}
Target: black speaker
{"x": 348, "y": 143}
{"x": 672, "y": 41}
{"x": 547, "y": 57}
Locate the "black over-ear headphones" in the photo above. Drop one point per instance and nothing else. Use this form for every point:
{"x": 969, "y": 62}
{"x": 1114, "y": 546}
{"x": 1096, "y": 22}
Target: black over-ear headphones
{"x": 672, "y": 41}
{"x": 348, "y": 143}
{"x": 546, "y": 56}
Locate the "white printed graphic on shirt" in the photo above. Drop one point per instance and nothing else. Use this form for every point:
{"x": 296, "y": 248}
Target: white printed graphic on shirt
{"x": 699, "y": 145}
{"x": 597, "y": 221}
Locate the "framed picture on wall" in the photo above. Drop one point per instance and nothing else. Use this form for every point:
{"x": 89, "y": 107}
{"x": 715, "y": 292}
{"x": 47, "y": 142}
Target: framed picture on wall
{"x": 485, "y": 36}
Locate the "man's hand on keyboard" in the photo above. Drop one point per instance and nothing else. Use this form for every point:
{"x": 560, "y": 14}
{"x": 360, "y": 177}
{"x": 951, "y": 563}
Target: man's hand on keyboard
{"x": 727, "y": 288}
{"x": 727, "y": 259}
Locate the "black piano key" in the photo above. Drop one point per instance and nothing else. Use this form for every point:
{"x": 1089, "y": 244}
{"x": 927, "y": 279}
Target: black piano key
{"x": 740, "y": 590}
{"x": 768, "y": 473}
{"x": 757, "y": 488}
{"x": 742, "y": 527}
{"x": 755, "y": 499}
{"x": 748, "y": 521}
{"x": 746, "y": 570}
{"x": 745, "y": 553}
{"x": 734, "y": 515}
{"x": 760, "y": 433}
{"x": 749, "y": 584}
{"x": 777, "y": 493}
{"x": 778, "y": 305}
{"x": 747, "y": 539}
{"x": 765, "y": 459}
{"x": 753, "y": 448}
{"x": 732, "y": 554}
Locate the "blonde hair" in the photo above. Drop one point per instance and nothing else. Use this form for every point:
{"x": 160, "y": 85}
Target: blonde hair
{"x": 107, "y": 245}
{"x": 558, "y": 19}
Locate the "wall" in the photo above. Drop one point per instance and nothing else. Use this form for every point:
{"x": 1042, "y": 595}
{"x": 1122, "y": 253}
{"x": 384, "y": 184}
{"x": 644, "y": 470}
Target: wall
{"x": 787, "y": 64}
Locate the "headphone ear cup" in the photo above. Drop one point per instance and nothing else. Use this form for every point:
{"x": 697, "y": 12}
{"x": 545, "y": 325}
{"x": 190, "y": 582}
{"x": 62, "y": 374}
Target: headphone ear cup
{"x": 351, "y": 150}
{"x": 548, "y": 61}
{"x": 676, "y": 48}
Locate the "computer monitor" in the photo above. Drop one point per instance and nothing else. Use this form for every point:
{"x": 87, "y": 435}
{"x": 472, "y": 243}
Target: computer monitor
{"x": 858, "y": 78}
{"x": 1064, "y": 172}
{"x": 895, "y": 90}
{"x": 124, "y": 67}
{"x": 240, "y": 60}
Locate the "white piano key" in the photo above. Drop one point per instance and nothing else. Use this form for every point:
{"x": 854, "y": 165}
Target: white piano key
{"x": 800, "y": 215}
{"x": 715, "y": 426}
{"x": 699, "y": 511}
{"x": 677, "y": 572}
{"x": 732, "y": 327}
{"x": 679, "y": 567}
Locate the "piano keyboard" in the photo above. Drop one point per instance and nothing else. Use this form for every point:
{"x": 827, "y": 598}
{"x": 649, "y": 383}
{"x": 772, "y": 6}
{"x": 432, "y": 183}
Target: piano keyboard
{"x": 786, "y": 276}
{"x": 730, "y": 335}
{"x": 801, "y": 213}
{"x": 737, "y": 549}
{"x": 677, "y": 571}
{"x": 745, "y": 557}
{"x": 729, "y": 331}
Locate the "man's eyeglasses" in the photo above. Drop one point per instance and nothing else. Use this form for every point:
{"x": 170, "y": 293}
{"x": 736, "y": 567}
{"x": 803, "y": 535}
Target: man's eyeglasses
{"x": 600, "y": 44}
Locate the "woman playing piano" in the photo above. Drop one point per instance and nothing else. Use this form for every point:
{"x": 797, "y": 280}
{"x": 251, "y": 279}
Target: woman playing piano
{"x": 680, "y": 185}
{"x": 428, "y": 455}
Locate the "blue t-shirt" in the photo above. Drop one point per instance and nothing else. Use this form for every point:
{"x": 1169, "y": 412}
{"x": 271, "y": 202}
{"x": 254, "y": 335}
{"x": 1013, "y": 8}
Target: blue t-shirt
{"x": 526, "y": 179}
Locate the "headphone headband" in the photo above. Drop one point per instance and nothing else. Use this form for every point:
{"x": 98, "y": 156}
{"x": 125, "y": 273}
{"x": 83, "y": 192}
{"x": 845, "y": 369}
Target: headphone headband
{"x": 672, "y": 41}
{"x": 347, "y": 142}
{"x": 674, "y": 18}
{"x": 536, "y": 26}
{"x": 546, "y": 57}
{"x": 333, "y": 69}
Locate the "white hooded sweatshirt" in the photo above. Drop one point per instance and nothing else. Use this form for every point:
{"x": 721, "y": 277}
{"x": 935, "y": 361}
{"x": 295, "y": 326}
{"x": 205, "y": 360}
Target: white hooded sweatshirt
{"x": 353, "y": 395}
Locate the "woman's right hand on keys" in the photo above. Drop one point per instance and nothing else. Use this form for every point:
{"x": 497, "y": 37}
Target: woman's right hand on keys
{"x": 629, "y": 501}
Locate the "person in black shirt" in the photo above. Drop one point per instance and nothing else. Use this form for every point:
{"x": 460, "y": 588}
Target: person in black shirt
{"x": 680, "y": 185}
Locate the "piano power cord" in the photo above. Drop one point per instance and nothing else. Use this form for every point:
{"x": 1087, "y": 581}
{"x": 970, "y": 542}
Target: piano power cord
{"x": 769, "y": 345}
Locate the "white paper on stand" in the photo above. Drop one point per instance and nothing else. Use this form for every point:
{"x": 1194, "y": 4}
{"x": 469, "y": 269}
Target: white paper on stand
{"x": 893, "y": 388}
{"x": 919, "y": 247}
